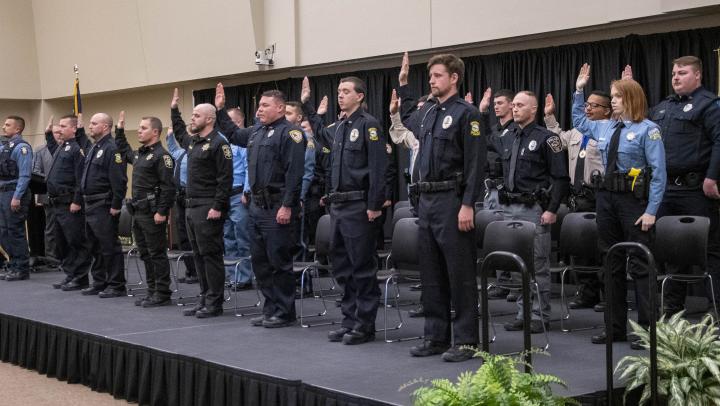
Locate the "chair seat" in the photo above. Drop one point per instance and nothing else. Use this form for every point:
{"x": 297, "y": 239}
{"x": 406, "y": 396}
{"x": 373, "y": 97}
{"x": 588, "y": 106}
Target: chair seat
{"x": 177, "y": 254}
{"x": 386, "y": 274}
{"x": 234, "y": 261}
{"x": 128, "y": 248}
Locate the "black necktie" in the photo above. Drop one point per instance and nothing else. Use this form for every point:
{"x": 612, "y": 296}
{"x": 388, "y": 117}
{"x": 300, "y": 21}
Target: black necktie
{"x": 513, "y": 162}
{"x": 337, "y": 153}
{"x": 613, "y": 150}
{"x": 580, "y": 168}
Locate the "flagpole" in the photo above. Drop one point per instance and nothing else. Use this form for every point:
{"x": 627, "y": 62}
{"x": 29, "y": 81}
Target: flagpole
{"x": 717, "y": 52}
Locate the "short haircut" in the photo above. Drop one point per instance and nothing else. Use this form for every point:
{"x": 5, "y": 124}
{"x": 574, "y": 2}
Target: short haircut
{"x": 155, "y": 123}
{"x": 72, "y": 117}
{"x": 237, "y": 111}
{"x": 275, "y": 94}
{"x": 506, "y": 93}
{"x": 529, "y": 94}
{"x": 358, "y": 84}
{"x": 296, "y": 105}
{"x": 18, "y": 120}
{"x": 633, "y": 97}
{"x": 689, "y": 60}
{"x": 603, "y": 95}
{"x": 452, "y": 63}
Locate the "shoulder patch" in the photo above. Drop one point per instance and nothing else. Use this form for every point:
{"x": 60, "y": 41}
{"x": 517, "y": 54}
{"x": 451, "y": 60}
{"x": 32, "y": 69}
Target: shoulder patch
{"x": 168, "y": 161}
{"x": 654, "y": 134}
{"x": 325, "y": 150}
{"x": 310, "y": 144}
{"x": 227, "y": 152}
{"x": 475, "y": 128}
{"x": 296, "y": 136}
{"x": 555, "y": 143}
{"x": 118, "y": 158}
{"x": 372, "y": 131}
{"x": 23, "y": 150}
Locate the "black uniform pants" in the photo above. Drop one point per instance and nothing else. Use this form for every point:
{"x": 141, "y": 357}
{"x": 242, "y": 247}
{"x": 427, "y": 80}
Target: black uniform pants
{"x": 13, "y": 238}
{"x": 313, "y": 211}
{"x": 73, "y": 248}
{"x": 271, "y": 248}
{"x": 182, "y": 235}
{"x": 353, "y": 256}
{"x": 151, "y": 241}
{"x": 447, "y": 270}
{"x": 692, "y": 203}
{"x": 616, "y": 216}
{"x": 206, "y": 240}
{"x": 101, "y": 229}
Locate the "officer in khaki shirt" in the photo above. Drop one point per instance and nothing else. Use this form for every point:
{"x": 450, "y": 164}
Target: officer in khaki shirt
{"x": 584, "y": 161}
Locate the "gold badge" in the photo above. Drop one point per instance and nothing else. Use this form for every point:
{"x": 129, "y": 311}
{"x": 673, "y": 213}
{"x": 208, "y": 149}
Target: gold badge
{"x": 475, "y": 128}
{"x": 555, "y": 143}
{"x": 23, "y": 150}
{"x": 354, "y": 134}
{"x": 311, "y": 144}
{"x": 388, "y": 148}
{"x": 168, "y": 161}
{"x": 118, "y": 158}
{"x": 296, "y": 136}
{"x": 206, "y": 146}
{"x": 373, "y": 134}
{"x": 227, "y": 151}
{"x": 191, "y": 147}
{"x": 149, "y": 157}
{"x": 326, "y": 150}
{"x": 654, "y": 134}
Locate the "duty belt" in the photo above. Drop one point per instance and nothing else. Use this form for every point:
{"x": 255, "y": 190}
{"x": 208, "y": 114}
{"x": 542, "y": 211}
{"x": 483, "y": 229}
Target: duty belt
{"x": 622, "y": 183}
{"x": 141, "y": 206}
{"x": 339, "y": 197}
{"x": 432, "y": 187}
{"x": 8, "y": 187}
{"x": 237, "y": 190}
{"x": 689, "y": 179}
{"x": 96, "y": 200}
{"x": 191, "y": 202}
{"x": 65, "y": 198}
{"x": 526, "y": 198}
{"x": 493, "y": 183}
{"x": 265, "y": 199}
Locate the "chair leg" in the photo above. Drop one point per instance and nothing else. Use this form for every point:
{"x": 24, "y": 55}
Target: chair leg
{"x": 303, "y": 276}
{"x": 254, "y": 305}
{"x": 540, "y": 304}
{"x": 563, "y": 301}
{"x": 180, "y": 298}
{"x": 662, "y": 293}
{"x": 712, "y": 295}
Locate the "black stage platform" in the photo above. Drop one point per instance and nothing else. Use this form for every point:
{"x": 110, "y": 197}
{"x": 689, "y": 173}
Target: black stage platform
{"x": 157, "y": 356}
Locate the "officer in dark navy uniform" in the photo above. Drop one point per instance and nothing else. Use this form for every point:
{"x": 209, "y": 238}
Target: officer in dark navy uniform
{"x": 103, "y": 185}
{"x": 276, "y": 157}
{"x": 209, "y": 185}
{"x": 356, "y": 186}
{"x": 535, "y": 181}
{"x": 153, "y": 194}
{"x": 65, "y": 201}
{"x": 15, "y": 172}
{"x": 689, "y": 121}
{"x": 448, "y": 176}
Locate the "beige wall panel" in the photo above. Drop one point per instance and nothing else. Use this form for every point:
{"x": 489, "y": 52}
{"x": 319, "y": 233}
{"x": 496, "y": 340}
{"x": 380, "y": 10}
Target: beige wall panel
{"x": 186, "y": 39}
{"x": 30, "y": 111}
{"x": 460, "y": 21}
{"x": 102, "y": 37}
{"x": 19, "y": 78}
{"x": 337, "y": 30}
{"x": 278, "y": 27}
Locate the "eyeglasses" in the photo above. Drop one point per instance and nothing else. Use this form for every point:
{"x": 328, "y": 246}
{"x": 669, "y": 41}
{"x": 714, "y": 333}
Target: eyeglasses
{"x": 595, "y": 105}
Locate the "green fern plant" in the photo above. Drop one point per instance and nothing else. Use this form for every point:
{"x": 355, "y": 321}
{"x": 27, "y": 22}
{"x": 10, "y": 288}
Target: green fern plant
{"x": 497, "y": 382}
{"x": 688, "y": 362}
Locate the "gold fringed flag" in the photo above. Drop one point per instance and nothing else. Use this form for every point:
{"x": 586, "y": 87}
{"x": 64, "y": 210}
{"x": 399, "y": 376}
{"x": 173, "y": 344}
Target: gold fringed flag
{"x": 77, "y": 101}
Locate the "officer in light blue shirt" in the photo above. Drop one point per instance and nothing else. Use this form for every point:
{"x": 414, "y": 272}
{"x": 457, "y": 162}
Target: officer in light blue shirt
{"x": 180, "y": 156}
{"x": 16, "y": 159}
{"x": 630, "y": 192}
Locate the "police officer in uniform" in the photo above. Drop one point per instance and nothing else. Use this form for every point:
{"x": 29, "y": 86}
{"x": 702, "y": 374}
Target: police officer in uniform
{"x": 535, "y": 182}
{"x": 103, "y": 185}
{"x": 153, "y": 194}
{"x": 690, "y": 124}
{"x": 65, "y": 202}
{"x": 448, "y": 176}
{"x": 209, "y": 185}
{"x": 15, "y": 172}
{"x": 584, "y": 162}
{"x": 312, "y": 205}
{"x": 630, "y": 192}
{"x": 276, "y": 153}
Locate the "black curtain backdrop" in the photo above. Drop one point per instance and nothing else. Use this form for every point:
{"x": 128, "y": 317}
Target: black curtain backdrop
{"x": 545, "y": 70}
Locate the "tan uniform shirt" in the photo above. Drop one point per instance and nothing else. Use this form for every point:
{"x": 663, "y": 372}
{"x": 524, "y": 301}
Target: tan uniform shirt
{"x": 572, "y": 141}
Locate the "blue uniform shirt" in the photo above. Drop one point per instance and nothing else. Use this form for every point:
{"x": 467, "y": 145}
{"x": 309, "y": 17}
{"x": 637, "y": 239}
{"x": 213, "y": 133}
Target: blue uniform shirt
{"x": 23, "y": 155}
{"x": 640, "y": 147}
{"x": 177, "y": 151}
{"x": 240, "y": 164}
{"x": 309, "y": 166}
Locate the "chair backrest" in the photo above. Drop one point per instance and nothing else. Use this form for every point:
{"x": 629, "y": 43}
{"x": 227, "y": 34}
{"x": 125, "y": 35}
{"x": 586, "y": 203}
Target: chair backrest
{"x": 579, "y": 236}
{"x": 517, "y": 237}
{"x": 482, "y": 219}
{"x": 323, "y": 232}
{"x": 556, "y": 227}
{"x": 681, "y": 240}
{"x": 401, "y": 213}
{"x": 401, "y": 204}
{"x": 125, "y": 223}
{"x": 405, "y": 246}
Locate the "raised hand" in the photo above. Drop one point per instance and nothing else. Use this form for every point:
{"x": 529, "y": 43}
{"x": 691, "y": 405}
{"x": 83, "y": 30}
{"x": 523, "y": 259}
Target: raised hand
{"x": 394, "y": 103}
{"x": 175, "y": 99}
{"x": 468, "y": 97}
{"x": 50, "y": 124}
{"x": 627, "y": 73}
{"x": 305, "y": 92}
{"x": 583, "y": 77}
{"x": 404, "y": 70}
{"x": 549, "y": 105}
{"x": 219, "y": 96}
{"x": 485, "y": 101}
{"x": 121, "y": 120}
{"x": 79, "y": 120}
{"x": 322, "y": 108}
